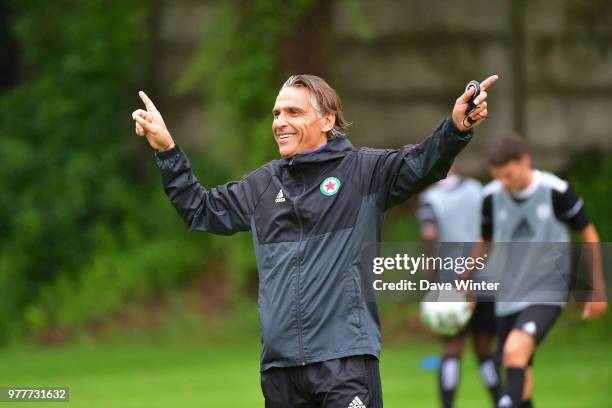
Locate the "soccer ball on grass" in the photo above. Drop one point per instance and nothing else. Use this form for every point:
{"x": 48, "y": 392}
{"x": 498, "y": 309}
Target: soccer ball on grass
{"x": 445, "y": 314}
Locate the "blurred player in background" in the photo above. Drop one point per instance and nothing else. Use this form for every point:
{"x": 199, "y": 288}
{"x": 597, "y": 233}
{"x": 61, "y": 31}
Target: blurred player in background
{"x": 449, "y": 211}
{"x": 526, "y": 205}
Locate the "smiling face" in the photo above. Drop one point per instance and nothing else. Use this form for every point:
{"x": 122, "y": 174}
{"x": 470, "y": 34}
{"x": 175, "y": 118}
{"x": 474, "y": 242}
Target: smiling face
{"x": 297, "y": 126}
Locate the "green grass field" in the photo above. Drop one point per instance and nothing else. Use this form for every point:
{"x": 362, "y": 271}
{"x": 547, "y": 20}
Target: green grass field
{"x": 225, "y": 374}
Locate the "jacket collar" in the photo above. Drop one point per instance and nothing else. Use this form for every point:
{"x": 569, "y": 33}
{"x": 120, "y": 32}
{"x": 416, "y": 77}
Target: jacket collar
{"x": 335, "y": 148}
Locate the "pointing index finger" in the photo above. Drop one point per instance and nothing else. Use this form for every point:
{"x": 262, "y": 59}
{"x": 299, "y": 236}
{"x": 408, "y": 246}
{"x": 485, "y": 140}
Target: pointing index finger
{"x": 465, "y": 97}
{"x": 147, "y": 102}
{"x": 488, "y": 82}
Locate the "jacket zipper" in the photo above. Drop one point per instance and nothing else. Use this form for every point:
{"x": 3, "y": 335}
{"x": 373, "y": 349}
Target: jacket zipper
{"x": 299, "y": 268}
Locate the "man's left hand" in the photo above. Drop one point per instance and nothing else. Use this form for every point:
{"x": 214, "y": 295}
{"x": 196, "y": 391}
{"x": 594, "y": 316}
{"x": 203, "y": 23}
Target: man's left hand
{"x": 479, "y": 114}
{"x": 594, "y": 310}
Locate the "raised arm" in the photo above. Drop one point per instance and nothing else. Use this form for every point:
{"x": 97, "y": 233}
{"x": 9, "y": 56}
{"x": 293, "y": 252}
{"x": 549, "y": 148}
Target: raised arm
{"x": 405, "y": 171}
{"x": 224, "y": 210}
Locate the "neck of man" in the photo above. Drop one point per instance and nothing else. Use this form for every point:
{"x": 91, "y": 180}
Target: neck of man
{"x": 322, "y": 142}
{"x": 528, "y": 186}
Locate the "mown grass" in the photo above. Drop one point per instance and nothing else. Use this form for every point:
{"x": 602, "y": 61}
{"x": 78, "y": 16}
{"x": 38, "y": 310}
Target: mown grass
{"x": 221, "y": 370}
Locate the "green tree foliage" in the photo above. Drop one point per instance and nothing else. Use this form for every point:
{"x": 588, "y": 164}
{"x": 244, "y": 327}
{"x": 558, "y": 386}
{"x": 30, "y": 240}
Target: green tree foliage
{"x": 85, "y": 225}
{"x": 590, "y": 173}
{"x": 82, "y": 228}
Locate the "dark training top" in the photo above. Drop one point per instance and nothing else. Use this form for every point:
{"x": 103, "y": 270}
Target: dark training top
{"x": 310, "y": 215}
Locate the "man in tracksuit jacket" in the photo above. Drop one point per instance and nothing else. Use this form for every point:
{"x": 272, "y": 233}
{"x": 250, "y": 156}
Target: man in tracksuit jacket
{"x": 310, "y": 212}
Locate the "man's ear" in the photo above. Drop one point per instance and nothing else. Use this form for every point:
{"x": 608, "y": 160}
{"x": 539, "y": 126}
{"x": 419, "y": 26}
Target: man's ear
{"x": 329, "y": 121}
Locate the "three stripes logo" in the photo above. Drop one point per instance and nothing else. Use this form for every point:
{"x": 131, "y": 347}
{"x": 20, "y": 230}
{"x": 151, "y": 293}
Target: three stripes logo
{"x": 280, "y": 198}
{"x": 356, "y": 403}
{"x": 522, "y": 231}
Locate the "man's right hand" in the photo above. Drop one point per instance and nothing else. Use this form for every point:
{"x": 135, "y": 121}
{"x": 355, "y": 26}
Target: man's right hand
{"x": 150, "y": 124}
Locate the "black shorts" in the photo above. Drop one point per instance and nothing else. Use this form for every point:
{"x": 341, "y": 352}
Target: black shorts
{"x": 482, "y": 322}
{"x": 535, "y": 320}
{"x": 349, "y": 382}
{"x": 483, "y": 319}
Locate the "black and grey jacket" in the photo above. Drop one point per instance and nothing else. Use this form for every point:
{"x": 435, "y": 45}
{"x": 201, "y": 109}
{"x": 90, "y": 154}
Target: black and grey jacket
{"x": 309, "y": 216}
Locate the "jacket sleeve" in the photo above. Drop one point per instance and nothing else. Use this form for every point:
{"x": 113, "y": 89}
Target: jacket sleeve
{"x": 223, "y": 210}
{"x": 401, "y": 173}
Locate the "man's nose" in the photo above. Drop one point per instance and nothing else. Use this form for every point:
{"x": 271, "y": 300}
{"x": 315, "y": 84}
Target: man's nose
{"x": 279, "y": 121}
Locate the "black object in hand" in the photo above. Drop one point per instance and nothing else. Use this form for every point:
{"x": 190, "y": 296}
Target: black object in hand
{"x": 471, "y": 104}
